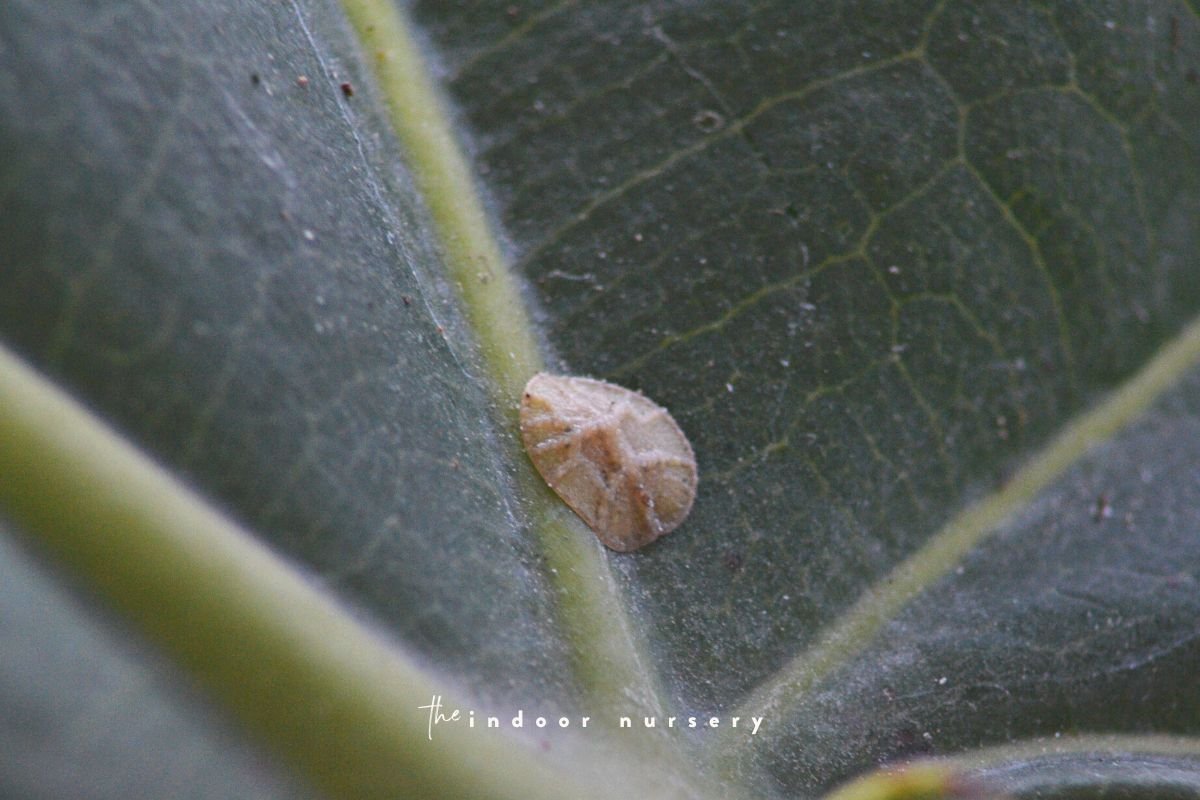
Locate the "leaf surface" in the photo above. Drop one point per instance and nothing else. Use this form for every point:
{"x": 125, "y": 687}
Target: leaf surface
{"x": 904, "y": 272}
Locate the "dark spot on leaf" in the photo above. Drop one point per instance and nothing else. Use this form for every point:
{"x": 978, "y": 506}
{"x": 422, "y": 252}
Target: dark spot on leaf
{"x": 348, "y": 89}
{"x": 733, "y": 561}
{"x": 708, "y": 120}
{"x": 255, "y": 79}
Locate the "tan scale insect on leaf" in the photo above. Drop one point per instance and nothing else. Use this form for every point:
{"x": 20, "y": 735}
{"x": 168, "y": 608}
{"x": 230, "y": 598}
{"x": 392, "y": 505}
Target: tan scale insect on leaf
{"x": 617, "y": 459}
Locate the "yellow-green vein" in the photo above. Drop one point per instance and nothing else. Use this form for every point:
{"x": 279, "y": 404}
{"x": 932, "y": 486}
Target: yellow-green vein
{"x": 610, "y": 659}
{"x": 958, "y": 775}
{"x": 337, "y": 703}
{"x": 854, "y": 631}
{"x": 1095, "y": 744}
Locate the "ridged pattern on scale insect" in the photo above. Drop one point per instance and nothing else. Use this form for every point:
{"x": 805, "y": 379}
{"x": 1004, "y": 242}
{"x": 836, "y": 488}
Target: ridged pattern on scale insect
{"x": 617, "y": 459}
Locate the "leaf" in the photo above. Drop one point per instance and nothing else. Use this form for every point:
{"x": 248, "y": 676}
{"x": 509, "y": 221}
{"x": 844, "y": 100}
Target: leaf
{"x": 88, "y": 714}
{"x": 916, "y": 278}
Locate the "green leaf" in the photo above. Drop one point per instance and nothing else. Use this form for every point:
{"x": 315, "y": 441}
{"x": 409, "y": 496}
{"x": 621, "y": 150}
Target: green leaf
{"x": 917, "y": 279}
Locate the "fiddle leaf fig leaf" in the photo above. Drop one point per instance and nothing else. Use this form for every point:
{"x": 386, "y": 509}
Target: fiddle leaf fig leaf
{"x": 916, "y": 279}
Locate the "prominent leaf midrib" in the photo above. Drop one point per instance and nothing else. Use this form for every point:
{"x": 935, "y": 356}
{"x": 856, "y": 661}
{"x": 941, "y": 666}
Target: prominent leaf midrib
{"x": 335, "y": 701}
{"x": 610, "y": 660}
{"x": 853, "y": 631}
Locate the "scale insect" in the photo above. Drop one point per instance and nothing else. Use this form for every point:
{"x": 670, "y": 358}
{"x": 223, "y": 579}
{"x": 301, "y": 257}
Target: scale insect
{"x": 617, "y": 459}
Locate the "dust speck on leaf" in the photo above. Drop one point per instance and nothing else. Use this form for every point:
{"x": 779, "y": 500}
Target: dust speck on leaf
{"x": 708, "y": 120}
